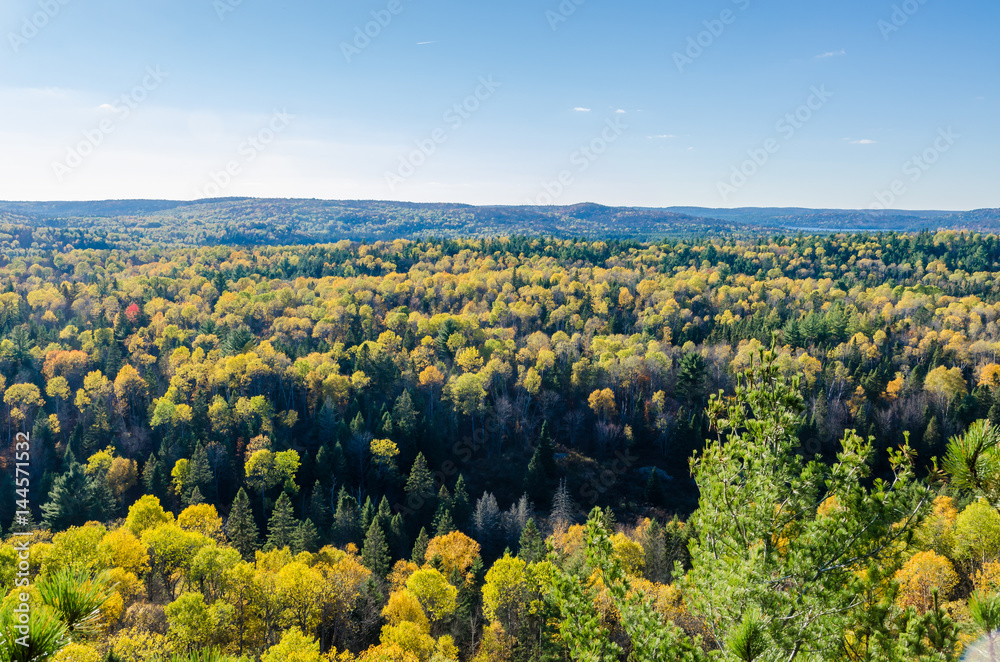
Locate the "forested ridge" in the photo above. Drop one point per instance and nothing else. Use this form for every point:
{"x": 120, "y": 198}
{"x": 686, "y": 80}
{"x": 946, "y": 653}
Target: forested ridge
{"x": 502, "y": 449}
{"x": 279, "y": 221}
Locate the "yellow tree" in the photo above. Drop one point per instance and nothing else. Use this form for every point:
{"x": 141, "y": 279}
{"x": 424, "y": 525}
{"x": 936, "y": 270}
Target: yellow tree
{"x": 945, "y": 384}
{"x": 130, "y": 392}
{"x": 22, "y": 399}
{"x": 384, "y": 453}
{"x": 505, "y": 592}
{"x": 146, "y": 513}
{"x": 455, "y": 551}
{"x": 299, "y": 588}
{"x": 921, "y": 576}
{"x": 433, "y": 592}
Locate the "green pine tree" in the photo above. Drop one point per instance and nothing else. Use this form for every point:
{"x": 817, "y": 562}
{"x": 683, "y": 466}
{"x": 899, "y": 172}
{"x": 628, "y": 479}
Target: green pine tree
{"x": 404, "y": 415}
{"x": 443, "y": 524}
{"x": 305, "y": 538}
{"x": 546, "y": 451}
{"x": 195, "y": 497}
{"x": 460, "y": 504}
{"x": 324, "y": 465}
{"x": 535, "y": 481}
{"x": 420, "y": 547}
{"x": 338, "y": 461}
{"x": 754, "y": 461}
{"x": 240, "y": 527}
{"x": 200, "y": 475}
{"x": 319, "y": 512}
{"x": 399, "y": 542}
{"x": 367, "y": 514}
{"x": 384, "y": 514}
{"x": 281, "y": 527}
{"x": 375, "y": 551}
{"x": 149, "y": 471}
{"x": 346, "y": 526}
{"x": 531, "y": 547}
{"x": 791, "y": 333}
{"x": 420, "y": 483}
{"x": 71, "y": 500}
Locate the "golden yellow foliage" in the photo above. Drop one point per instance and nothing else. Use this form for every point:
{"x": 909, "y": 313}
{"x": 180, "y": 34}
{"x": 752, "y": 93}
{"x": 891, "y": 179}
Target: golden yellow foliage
{"x": 456, "y": 550}
{"x": 921, "y": 575}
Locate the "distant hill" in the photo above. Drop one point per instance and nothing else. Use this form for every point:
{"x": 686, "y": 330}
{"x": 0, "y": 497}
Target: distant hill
{"x": 296, "y": 221}
{"x": 848, "y": 219}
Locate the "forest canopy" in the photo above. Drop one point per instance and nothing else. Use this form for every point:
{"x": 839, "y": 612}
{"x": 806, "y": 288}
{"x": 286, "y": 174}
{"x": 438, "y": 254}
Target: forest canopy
{"x": 503, "y": 449}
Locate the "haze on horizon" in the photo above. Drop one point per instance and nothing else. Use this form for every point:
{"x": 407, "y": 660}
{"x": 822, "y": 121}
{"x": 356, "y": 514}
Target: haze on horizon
{"x": 729, "y": 103}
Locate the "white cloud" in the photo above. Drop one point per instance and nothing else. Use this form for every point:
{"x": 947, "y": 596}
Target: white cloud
{"x": 832, "y": 54}
{"x": 662, "y": 136}
{"x": 582, "y": 110}
{"x": 863, "y": 141}
{"x": 424, "y": 43}
{"x": 620, "y": 111}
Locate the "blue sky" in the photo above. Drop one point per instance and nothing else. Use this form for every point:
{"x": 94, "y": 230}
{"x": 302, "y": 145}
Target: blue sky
{"x": 599, "y": 101}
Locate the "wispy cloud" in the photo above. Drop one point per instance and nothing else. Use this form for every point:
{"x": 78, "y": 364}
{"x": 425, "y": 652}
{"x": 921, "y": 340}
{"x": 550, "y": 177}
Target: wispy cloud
{"x": 862, "y": 141}
{"x": 832, "y": 54}
{"x": 662, "y": 136}
{"x": 582, "y": 110}
{"x": 424, "y": 43}
{"x": 620, "y": 111}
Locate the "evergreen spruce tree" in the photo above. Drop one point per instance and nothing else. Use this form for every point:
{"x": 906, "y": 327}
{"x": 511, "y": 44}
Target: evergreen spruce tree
{"x": 195, "y": 497}
{"x": 546, "y": 451}
{"x": 397, "y": 537}
{"x": 324, "y": 465}
{"x": 535, "y": 482}
{"x": 153, "y": 476}
{"x": 692, "y": 379}
{"x": 305, "y": 538}
{"x": 384, "y": 514}
{"x": 404, "y": 415}
{"x": 461, "y": 506}
{"x": 444, "y": 499}
{"x": 113, "y": 360}
{"x": 367, "y": 514}
{"x": 71, "y": 499}
{"x": 531, "y": 547}
{"x": 149, "y": 473}
{"x": 420, "y": 547}
{"x": 931, "y": 439}
{"x": 23, "y": 523}
{"x": 469, "y": 597}
{"x": 420, "y": 483}
{"x": 319, "y": 512}
{"x": 443, "y": 524}
{"x": 791, "y": 333}
{"x": 338, "y": 461}
{"x": 200, "y": 472}
{"x": 358, "y": 425}
{"x": 375, "y": 552}
{"x": 281, "y": 527}
{"x": 346, "y": 527}
{"x": 385, "y": 426}
{"x": 240, "y": 527}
